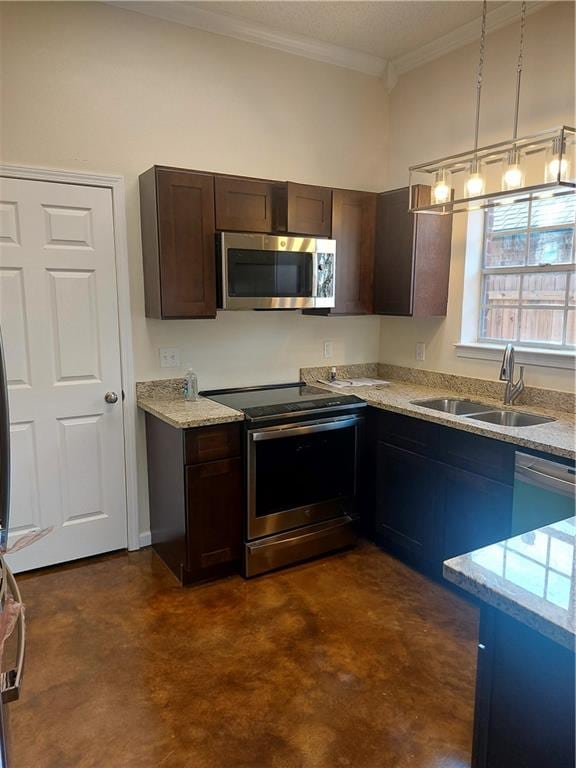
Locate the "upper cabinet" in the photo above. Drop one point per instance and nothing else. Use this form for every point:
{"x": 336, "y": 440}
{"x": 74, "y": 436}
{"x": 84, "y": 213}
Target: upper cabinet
{"x": 353, "y": 228}
{"x": 388, "y": 261}
{"x": 244, "y": 205}
{"x": 308, "y": 210}
{"x": 412, "y": 258}
{"x": 178, "y": 243}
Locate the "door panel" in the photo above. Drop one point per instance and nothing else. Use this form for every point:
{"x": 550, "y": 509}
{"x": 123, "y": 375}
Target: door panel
{"x": 59, "y": 318}
{"x": 187, "y": 244}
{"x": 353, "y": 223}
{"x": 477, "y": 512}
{"x": 407, "y": 501}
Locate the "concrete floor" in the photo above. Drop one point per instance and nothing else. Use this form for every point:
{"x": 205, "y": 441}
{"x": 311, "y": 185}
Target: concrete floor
{"x": 354, "y": 660}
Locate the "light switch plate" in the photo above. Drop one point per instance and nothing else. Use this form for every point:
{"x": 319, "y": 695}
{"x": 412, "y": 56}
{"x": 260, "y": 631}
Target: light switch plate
{"x": 169, "y": 357}
{"x": 328, "y": 349}
{"x": 420, "y": 350}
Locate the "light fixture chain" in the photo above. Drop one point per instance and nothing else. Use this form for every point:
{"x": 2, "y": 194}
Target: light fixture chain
{"x": 519, "y": 68}
{"x": 480, "y": 71}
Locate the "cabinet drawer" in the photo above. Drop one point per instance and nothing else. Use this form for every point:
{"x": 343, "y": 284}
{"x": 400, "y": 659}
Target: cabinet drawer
{"x": 221, "y": 441}
{"x": 480, "y": 455}
{"x": 414, "y": 435}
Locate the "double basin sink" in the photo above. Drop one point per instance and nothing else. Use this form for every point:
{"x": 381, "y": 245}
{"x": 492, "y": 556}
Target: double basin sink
{"x": 481, "y": 412}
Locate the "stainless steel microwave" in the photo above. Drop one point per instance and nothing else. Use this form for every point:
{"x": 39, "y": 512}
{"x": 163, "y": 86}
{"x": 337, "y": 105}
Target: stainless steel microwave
{"x": 275, "y": 272}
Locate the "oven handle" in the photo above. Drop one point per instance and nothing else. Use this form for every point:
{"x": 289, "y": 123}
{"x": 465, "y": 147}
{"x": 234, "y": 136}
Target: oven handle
{"x": 311, "y": 427}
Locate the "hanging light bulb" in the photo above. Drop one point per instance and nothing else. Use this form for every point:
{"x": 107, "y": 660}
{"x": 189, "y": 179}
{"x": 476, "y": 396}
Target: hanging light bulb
{"x": 513, "y": 177}
{"x": 441, "y": 191}
{"x": 557, "y": 166}
{"x": 475, "y": 183}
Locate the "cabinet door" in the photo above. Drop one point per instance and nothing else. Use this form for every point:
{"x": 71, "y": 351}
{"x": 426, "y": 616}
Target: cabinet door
{"x": 187, "y": 265}
{"x": 476, "y": 511}
{"x": 244, "y": 205}
{"x": 353, "y": 225}
{"x": 412, "y": 257}
{"x": 394, "y": 262}
{"x": 309, "y": 210}
{"x": 214, "y": 515}
{"x": 406, "y": 501}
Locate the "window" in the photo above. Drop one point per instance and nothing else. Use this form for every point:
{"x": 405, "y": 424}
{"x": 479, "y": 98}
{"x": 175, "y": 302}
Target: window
{"x": 528, "y": 279}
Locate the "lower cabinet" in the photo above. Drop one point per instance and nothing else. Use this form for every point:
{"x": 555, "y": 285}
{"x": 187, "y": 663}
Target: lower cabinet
{"x": 196, "y": 498}
{"x": 476, "y": 511}
{"x": 427, "y": 509}
{"x": 214, "y": 513}
{"x": 406, "y": 504}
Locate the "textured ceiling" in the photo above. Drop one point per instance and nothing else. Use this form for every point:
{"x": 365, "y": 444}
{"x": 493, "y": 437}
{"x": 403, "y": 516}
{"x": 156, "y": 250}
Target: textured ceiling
{"x": 387, "y": 29}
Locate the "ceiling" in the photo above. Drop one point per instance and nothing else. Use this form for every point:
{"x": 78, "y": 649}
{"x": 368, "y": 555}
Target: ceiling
{"x": 384, "y": 38}
{"x": 384, "y": 29}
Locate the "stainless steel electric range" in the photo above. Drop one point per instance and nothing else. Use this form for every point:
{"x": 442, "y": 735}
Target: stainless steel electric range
{"x": 301, "y": 458}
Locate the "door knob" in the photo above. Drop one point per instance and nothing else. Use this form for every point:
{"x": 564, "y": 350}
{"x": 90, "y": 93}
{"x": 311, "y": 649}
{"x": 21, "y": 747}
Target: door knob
{"x": 111, "y": 397}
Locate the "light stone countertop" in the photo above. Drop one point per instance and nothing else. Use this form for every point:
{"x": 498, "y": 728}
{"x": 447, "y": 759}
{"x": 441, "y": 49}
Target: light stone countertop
{"x": 164, "y": 399}
{"x": 555, "y": 437}
{"x": 531, "y": 577}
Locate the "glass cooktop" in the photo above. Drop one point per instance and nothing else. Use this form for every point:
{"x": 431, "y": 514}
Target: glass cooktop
{"x": 277, "y": 400}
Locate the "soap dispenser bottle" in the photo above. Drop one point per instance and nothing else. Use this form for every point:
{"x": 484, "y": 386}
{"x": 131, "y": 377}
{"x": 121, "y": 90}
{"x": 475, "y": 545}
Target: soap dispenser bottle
{"x": 190, "y": 385}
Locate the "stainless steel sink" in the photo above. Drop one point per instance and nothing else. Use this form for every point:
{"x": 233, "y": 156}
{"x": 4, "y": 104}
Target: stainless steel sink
{"x": 511, "y": 418}
{"x": 456, "y": 406}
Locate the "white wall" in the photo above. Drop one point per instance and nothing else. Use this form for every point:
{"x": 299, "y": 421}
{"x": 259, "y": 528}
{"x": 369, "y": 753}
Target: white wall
{"x": 93, "y": 88}
{"x": 432, "y": 111}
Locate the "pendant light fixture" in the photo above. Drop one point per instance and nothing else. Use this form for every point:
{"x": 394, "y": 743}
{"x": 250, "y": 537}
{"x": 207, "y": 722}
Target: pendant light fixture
{"x": 515, "y": 170}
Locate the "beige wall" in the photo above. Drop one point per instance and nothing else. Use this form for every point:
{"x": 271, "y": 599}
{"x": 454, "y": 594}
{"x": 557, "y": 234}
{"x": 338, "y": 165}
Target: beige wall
{"x": 93, "y": 88}
{"x": 432, "y": 115}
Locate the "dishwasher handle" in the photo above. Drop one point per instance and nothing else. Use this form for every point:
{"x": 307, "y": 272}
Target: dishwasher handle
{"x": 545, "y": 473}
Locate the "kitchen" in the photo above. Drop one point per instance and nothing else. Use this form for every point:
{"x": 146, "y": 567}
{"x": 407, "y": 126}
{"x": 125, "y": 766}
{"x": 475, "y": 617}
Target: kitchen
{"x": 225, "y": 146}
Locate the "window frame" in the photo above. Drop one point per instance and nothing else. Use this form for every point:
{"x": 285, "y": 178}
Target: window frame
{"x": 567, "y": 267}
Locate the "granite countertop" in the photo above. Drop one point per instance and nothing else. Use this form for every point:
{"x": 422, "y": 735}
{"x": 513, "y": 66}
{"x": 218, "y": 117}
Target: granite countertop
{"x": 555, "y": 437}
{"x": 531, "y": 577}
{"x": 165, "y": 400}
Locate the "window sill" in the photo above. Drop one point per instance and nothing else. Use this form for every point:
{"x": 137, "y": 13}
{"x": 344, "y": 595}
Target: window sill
{"x": 547, "y": 358}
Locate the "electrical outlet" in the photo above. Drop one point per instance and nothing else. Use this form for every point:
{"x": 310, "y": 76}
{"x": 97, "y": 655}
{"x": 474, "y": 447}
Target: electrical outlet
{"x": 169, "y": 357}
{"x": 420, "y": 350}
{"x": 328, "y": 349}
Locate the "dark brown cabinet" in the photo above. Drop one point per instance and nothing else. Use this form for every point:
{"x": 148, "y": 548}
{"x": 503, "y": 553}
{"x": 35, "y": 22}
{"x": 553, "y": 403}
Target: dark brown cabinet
{"x": 308, "y": 210}
{"x": 525, "y": 711}
{"x": 412, "y": 258}
{"x": 214, "y": 510}
{"x": 427, "y": 507}
{"x": 196, "y": 499}
{"x": 353, "y": 228}
{"x": 178, "y": 243}
{"x": 244, "y": 205}
{"x": 406, "y": 502}
{"x": 476, "y": 511}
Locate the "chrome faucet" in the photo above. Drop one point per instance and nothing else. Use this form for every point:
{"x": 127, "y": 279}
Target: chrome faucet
{"x": 512, "y": 390}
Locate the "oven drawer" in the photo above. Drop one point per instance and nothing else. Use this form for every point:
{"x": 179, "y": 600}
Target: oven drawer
{"x": 296, "y": 546}
{"x": 221, "y": 441}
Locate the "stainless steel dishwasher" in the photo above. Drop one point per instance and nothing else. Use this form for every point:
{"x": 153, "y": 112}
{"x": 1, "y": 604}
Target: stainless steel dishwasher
{"x": 544, "y": 492}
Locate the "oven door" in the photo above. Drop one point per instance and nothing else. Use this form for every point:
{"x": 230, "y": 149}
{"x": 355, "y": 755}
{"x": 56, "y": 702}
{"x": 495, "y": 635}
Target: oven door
{"x": 267, "y": 272}
{"x": 301, "y": 473}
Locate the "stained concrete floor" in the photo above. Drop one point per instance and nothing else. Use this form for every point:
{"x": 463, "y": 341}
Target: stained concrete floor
{"x": 354, "y": 661}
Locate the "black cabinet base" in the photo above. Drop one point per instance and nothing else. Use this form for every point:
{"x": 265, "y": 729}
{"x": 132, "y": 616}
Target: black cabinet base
{"x": 525, "y": 709}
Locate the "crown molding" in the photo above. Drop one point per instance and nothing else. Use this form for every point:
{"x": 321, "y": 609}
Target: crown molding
{"x": 458, "y": 38}
{"x": 307, "y": 47}
{"x": 250, "y": 32}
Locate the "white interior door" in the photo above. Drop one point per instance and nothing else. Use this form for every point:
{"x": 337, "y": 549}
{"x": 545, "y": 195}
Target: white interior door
{"x": 59, "y": 320}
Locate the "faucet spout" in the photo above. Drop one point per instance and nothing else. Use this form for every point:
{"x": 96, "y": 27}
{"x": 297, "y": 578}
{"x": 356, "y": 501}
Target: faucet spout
{"x": 513, "y": 390}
